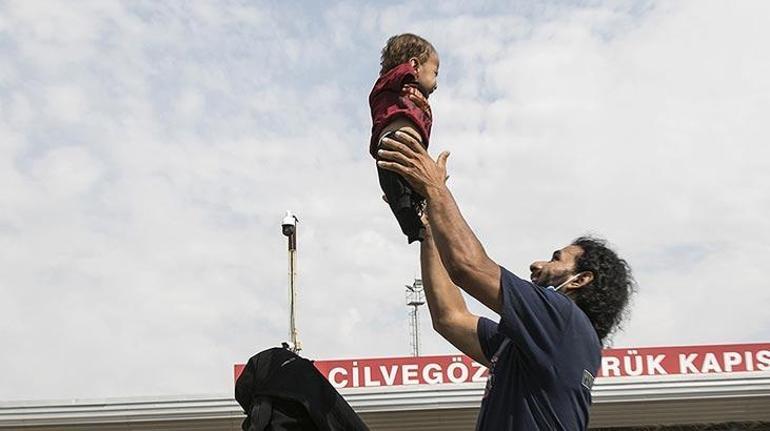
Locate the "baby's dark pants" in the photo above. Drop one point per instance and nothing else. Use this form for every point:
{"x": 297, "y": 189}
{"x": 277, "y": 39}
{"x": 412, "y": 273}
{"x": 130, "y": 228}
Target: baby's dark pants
{"x": 404, "y": 202}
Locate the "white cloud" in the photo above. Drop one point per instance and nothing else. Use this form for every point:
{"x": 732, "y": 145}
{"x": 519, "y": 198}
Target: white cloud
{"x": 147, "y": 154}
{"x": 65, "y": 171}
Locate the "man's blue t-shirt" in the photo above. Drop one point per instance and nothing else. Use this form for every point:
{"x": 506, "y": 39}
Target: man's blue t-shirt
{"x": 544, "y": 355}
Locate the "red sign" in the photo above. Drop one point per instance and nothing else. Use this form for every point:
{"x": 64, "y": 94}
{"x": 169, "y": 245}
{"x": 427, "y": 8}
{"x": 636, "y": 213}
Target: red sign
{"x": 448, "y": 369}
{"x": 422, "y": 370}
{"x": 656, "y": 361}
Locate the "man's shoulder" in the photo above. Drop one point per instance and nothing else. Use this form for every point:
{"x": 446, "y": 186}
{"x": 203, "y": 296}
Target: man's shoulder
{"x": 573, "y": 319}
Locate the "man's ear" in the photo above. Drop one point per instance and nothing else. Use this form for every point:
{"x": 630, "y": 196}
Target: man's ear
{"x": 582, "y": 280}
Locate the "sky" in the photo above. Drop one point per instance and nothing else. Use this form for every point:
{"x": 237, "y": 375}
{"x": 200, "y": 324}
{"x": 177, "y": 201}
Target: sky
{"x": 148, "y": 151}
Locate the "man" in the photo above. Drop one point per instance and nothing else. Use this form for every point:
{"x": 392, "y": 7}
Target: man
{"x": 545, "y": 351}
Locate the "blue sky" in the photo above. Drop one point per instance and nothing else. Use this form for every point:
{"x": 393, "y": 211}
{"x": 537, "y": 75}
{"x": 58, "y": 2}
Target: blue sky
{"x": 148, "y": 152}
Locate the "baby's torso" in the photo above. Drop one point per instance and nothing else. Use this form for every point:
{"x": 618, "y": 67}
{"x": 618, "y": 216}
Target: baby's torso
{"x": 393, "y": 109}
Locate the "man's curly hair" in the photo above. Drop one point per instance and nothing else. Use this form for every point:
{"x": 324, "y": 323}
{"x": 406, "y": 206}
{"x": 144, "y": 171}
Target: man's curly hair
{"x": 605, "y": 299}
{"x": 400, "y": 48}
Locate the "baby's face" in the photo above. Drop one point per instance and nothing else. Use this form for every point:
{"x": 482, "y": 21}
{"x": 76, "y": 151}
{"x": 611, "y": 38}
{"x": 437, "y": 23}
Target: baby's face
{"x": 427, "y": 74}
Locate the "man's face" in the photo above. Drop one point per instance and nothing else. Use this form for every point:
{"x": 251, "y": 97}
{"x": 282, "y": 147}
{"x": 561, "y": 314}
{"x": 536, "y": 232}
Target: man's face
{"x": 557, "y": 270}
{"x": 427, "y": 74}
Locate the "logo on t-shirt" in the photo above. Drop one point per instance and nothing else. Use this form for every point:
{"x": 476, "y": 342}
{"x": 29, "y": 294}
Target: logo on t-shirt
{"x": 493, "y": 364}
{"x": 588, "y": 380}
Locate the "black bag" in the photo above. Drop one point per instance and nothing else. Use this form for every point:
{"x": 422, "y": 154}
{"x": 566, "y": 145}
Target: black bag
{"x": 279, "y": 390}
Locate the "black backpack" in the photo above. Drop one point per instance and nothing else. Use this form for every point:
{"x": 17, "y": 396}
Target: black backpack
{"x": 279, "y": 390}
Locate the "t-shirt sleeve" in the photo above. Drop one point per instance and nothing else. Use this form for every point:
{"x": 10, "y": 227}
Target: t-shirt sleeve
{"x": 489, "y": 337}
{"x": 533, "y": 318}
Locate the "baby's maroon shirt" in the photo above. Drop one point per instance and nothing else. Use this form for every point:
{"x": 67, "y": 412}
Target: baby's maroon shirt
{"x": 393, "y": 96}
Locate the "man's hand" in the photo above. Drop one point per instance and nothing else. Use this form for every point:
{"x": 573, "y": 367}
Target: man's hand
{"x": 406, "y": 157}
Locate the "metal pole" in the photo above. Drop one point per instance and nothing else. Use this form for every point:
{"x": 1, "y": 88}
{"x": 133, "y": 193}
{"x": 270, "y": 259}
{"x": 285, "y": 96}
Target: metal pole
{"x": 296, "y": 345}
{"x": 289, "y": 228}
{"x": 417, "y": 331}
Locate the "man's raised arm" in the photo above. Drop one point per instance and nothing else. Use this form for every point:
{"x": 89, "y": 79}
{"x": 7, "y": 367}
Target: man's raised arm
{"x": 448, "y": 311}
{"x": 462, "y": 254}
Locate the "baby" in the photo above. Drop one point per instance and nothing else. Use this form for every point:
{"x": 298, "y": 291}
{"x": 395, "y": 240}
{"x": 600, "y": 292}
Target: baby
{"x": 399, "y": 101}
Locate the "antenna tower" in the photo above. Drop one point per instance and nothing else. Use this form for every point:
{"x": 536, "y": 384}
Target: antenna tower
{"x": 415, "y": 297}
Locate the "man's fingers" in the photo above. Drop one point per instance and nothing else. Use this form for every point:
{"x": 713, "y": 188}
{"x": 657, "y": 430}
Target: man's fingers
{"x": 410, "y": 141}
{"x": 391, "y": 166}
{"x": 410, "y": 132}
{"x": 394, "y": 145}
{"x": 393, "y": 156}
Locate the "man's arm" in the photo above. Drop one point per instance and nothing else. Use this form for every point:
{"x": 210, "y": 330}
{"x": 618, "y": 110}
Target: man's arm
{"x": 462, "y": 254}
{"x": 448, "y": 311}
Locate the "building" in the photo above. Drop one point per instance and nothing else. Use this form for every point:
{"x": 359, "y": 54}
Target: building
{"x": 722, "y": 387}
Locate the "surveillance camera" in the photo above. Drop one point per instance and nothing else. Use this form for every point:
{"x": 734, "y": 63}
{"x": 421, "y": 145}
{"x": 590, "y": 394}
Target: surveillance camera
{"x": 289, "y": 224}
